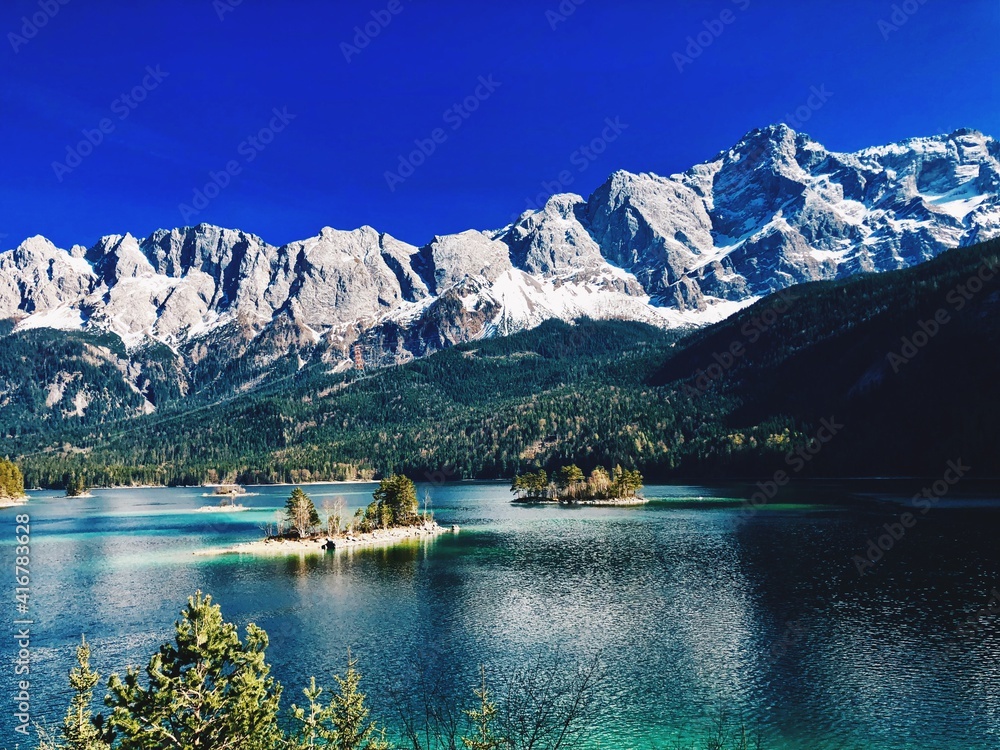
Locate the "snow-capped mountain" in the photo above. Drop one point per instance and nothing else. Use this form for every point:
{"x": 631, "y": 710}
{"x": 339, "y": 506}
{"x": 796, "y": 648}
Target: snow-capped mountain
{"x": 774, "y": 210}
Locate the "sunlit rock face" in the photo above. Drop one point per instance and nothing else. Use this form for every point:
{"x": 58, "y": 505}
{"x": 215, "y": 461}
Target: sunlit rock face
{"x": 774, "y": 210}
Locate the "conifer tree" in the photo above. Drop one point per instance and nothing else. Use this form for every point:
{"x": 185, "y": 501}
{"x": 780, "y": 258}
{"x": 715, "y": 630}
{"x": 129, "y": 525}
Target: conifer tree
{"x": 482, "y": 718}
{"x": 310, "y": 730}
{"x": 343, "y": 723}
{"x": 301, "y": 512}
{"x": 518, "y": 485}
{"x": 207, "y": 689}
{"x": 75, "y": 485}
{"x": 396, "y": 498}
{"x": 351, "y": 729}
{"x": 569, "y": 478}
{"x": 79, "y": 730}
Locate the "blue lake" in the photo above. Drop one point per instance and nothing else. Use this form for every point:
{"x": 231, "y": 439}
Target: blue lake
{"x": 688, "y": 614}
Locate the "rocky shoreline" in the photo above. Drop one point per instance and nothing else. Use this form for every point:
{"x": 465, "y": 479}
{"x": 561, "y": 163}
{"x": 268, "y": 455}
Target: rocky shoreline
{"x": 321, "y": 544}
{"x": 637, "y": 500}
{"x": 620, "y": 501}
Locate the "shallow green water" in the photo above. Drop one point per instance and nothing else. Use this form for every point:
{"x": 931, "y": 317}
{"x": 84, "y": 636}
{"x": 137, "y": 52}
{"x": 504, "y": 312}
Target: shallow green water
{"x": 687, "y": 613}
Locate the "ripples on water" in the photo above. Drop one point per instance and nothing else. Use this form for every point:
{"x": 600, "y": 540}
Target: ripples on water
{"x": 770, "y": 622}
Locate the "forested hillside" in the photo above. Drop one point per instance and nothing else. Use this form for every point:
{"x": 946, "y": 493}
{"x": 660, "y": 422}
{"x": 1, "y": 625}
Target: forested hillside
{"x": 52, "y": 381}
{"x": 908, "y": 361}
{"x": 905, "y": 360}
{"x": 483, "y": 409}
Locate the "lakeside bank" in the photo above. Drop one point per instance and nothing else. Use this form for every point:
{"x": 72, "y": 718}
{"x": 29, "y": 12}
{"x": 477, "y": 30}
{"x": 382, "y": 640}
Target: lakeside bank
{"x": 324, "y": 543}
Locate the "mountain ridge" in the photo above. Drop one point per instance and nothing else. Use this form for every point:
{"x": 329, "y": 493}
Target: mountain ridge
{"x": 774, "y": 210}
{"x": 607, "y": 392}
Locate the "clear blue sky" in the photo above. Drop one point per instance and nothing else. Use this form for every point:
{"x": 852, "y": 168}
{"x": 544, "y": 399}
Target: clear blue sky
{"x": 353, "y": 119}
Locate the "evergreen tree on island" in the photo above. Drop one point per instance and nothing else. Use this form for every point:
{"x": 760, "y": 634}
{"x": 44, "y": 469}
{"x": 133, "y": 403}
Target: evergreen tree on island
{"x": 569, "y": 479}
{"x": 394, "y": 504}
{"x": 625, "y": 482}
{"x": 75, "y": 484}
{"x": 532, "y": 485}
{"x": 301, "y": 513}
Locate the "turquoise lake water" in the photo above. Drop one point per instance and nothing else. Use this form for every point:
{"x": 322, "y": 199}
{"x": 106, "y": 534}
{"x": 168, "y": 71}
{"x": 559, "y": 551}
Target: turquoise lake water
{"x": 687, "y": 614}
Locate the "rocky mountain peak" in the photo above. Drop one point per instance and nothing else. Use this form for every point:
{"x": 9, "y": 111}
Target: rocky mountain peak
{"x": 776, "y": 209}
{"x": 554, "y": 240}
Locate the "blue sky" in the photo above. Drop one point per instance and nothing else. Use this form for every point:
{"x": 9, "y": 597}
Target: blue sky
{"x": 534, "y": 82}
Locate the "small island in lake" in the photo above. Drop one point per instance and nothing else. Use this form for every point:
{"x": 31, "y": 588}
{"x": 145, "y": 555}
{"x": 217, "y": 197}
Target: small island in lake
{"x": 227, "y": 494}
{"x": 76, "y": 486}
{"x": 393, "y": 516}
{"x": 569, "y": 486}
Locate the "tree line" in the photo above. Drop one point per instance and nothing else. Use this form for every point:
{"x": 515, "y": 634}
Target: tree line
{"x": 51, "y": 470}
{"x": 542, "y": 399}
{"x": 570, "y": 483}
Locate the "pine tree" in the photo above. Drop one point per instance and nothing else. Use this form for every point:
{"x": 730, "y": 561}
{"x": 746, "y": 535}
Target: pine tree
{"x": 75, "y": 484}
{"x": 301, "y": 512}
{"x": 533, "y": 485}
{"x": 482, "y": 718}
{"x": 518, "y": 486}
{"x": 633, "y": 481}
{"x": 79, "y": 730}
{"x": 348, "y": 716}
{"x": 310, "y": 732}
{"x": 397, "y": 500}
{"x": 618, "y": 482}
{"x": 569, "y": 478}
{"x": 205, "y": 690}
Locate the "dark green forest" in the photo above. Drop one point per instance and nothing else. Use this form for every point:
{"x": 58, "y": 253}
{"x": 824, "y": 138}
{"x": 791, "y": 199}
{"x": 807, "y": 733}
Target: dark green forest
{"x": 906, "y": 361}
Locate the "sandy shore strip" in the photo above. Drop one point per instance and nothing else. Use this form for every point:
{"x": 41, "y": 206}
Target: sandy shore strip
{"x": 380, "y": 538}
{"x": 13, "y": 502}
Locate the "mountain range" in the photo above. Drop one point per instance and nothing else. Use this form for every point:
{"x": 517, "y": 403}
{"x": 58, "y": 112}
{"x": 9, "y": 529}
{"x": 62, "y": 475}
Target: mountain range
{"x": 210, "y": 310}
{"x": 895, "y": 372}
